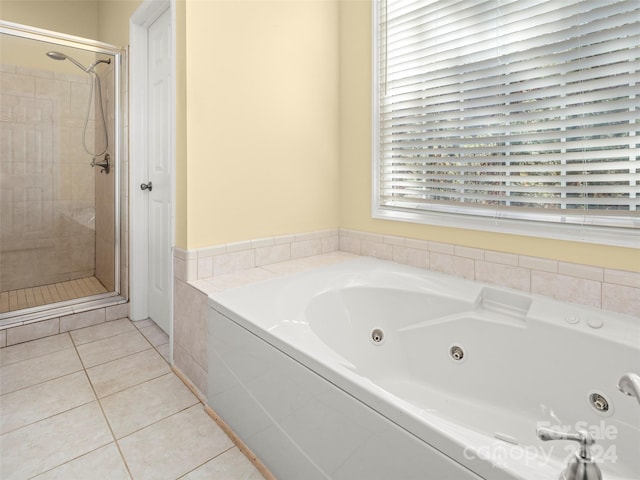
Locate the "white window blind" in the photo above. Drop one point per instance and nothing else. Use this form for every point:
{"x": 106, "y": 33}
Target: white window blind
{"x": 523, "y": 109}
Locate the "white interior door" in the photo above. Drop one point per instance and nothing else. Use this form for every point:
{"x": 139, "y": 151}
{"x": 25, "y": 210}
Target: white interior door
{"x": 159, "y": 150}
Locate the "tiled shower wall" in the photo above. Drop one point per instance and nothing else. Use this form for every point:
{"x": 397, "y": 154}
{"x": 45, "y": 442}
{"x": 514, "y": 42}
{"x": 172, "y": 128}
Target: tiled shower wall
{"x": 47, "y": 192}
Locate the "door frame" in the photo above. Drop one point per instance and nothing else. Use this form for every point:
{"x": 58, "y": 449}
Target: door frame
{"x": 142, "y": 18}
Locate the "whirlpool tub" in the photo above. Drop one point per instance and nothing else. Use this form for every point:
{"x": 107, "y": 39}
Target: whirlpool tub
{"x": 370, "y": 370}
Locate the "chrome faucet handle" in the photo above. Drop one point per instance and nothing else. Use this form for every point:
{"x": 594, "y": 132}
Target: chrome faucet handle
{"x": 581, "y": 436}
{"x": 581, "y": 466}
{"x": 105, "y": 164}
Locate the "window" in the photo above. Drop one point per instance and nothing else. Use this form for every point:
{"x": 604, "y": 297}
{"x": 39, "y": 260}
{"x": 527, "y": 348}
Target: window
{"x": 518, "y": 112}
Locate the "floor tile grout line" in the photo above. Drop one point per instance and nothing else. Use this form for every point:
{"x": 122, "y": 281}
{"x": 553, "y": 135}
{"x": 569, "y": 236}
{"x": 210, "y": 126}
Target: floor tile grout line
{"x": 137, "y": 323}
{"x": 113, "y": 435}
{"x": 42, "y": 382}
{"x": 158, "y": 421}
{"x": 233, "y": 445}
{"x": 106, "y": 323}
{"x": 31, "y": 339}
{"x": 136, "y": 385}
{"x": 40, "y": 355}
{"x": 159, "y": 345}
{"x": 124, "y": 460}
{"x": 152, "y": 324}
{"x": 112, "y": 322}
{"x": 104, "y": 415}
{"x": 52, "y": 415}
{"x": 68, "y": 461}
{"x": 160, "y": 353}
{"x": 155, "y": 347}
{"x": 117, "y": 440}
{"x": 119, "y": 358}
{"x": 105, "y": 338}
{"x": 111, "y": 360}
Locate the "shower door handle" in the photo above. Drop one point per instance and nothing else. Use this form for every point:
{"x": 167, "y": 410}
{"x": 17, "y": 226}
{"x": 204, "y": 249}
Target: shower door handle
{"x": 146, "y": 186}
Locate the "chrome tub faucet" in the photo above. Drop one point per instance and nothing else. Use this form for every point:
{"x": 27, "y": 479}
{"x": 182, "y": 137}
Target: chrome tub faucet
{"x": 629, "y": 384}
{"x": 581, "y": 466}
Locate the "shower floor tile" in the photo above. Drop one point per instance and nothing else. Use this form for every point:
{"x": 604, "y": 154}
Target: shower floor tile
{"x": 56, "y": 292}
{"x": 60, "y": 421}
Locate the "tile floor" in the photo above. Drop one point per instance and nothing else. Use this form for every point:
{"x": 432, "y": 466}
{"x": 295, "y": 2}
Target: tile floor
{"x": 102, "y": 403}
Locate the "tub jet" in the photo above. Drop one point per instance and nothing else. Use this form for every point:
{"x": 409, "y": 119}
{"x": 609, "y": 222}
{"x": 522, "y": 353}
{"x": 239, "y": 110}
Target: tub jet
{"x": 599, "y": 402}
{"x": 456, "y": 353}
{"x": 377, "y": 335}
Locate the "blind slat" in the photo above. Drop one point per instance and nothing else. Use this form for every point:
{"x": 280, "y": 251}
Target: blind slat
{"x": 512, "y": 166}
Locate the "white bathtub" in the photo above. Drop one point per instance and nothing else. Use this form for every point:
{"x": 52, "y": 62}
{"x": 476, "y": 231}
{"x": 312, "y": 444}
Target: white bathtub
{"x": 294, "y": 370}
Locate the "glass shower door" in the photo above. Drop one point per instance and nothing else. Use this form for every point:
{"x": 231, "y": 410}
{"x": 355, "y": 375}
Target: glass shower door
{"x": 59, "y": 222}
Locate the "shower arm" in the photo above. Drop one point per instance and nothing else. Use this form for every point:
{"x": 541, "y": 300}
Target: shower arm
{"x": 96, "y": 63}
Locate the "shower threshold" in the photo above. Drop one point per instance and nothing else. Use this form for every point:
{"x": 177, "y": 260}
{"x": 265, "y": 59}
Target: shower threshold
{"x": 27, "y": 305}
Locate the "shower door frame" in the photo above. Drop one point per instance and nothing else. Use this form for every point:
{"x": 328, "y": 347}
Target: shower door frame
{"x": 51, "y": 310}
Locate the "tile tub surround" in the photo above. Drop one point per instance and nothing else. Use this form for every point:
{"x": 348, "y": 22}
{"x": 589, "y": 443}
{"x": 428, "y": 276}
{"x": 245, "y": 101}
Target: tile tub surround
{"x": 609, "y": 289}
{"x": 231, "y": 257}
{"x": 67, "y": 419}
{"x": 207, "y": 270}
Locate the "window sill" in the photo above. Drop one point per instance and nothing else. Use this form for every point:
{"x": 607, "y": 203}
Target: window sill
{"x": 618, "y": 237}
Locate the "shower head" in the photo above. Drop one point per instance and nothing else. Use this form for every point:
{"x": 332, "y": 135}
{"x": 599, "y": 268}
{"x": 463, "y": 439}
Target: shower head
{"x": 62, "y": 56}
{"x": 56, "y": 55}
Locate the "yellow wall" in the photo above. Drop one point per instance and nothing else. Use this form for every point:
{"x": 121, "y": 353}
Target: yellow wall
{"x": 181, "y": 126}
{"x": 113, "y": 21}
{"x": 262, "y": 115}
{"x": 78, "y": 18}
{"x": 273, "y": 121}
{"x": 73, "y": 17}
{"x": 103, "y": 20}
{"x": 355, "y": 155}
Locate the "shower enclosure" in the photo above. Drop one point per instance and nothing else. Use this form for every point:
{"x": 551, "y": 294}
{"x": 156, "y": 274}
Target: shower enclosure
{"x": 62, "y": 242}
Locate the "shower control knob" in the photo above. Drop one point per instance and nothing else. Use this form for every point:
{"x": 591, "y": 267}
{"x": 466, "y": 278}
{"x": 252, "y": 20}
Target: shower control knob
{"x": 146, "y": 186}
